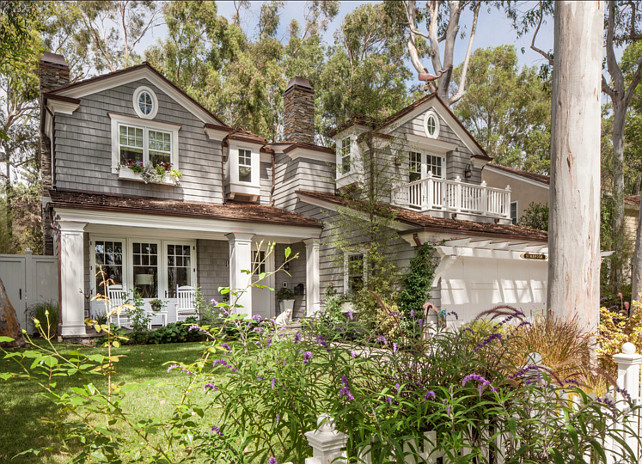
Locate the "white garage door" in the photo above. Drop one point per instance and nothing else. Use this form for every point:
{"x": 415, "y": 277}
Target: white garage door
{"x": 472, "y": 285}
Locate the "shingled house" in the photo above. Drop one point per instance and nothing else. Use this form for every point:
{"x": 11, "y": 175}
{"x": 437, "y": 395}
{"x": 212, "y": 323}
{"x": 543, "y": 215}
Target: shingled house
{"x": 142, "y": 180}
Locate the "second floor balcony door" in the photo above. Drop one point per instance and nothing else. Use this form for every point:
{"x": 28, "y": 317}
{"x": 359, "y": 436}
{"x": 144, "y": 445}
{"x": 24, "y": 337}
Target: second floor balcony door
{"x": 420, "y": 166}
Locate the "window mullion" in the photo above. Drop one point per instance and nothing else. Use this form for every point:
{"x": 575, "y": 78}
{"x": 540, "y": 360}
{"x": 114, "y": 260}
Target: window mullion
{"x": 145, "y": 146}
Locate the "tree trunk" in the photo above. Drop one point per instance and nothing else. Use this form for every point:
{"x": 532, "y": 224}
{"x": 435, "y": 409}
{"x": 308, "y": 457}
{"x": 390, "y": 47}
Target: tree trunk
{"x": 574, "y": 229}
{"x": 617, "y": 261}
{"x": 9, "y": 326}
{"x": 636, "y": 280}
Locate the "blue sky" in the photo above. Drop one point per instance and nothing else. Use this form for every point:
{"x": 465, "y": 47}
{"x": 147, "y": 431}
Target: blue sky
{"x": 493, "y": 28}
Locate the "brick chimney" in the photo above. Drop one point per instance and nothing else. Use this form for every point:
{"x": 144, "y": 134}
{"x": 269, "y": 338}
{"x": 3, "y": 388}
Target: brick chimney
{"x": 53, "y": 72}
{"x": 298, "y": 111}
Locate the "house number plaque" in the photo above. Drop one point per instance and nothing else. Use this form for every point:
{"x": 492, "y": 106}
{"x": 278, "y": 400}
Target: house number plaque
{"x": 540, "y": 256}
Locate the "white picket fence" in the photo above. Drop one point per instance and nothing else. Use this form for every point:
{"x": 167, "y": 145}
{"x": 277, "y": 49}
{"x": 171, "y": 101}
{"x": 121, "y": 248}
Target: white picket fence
{"x": 328, "y": 444}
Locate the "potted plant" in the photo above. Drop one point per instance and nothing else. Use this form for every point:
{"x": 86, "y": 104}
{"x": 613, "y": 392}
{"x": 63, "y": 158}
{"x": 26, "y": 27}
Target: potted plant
{"x": 286, "y": 299}
{"x": 157, "y": 305}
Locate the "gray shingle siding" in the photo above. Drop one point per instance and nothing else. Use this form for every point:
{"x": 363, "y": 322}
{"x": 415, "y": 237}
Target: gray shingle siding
{"x": 300, "y": 174}
{"x": 213, "y": 269}
{"x": 297, "y": 275}
{"x": 84, "y": 151}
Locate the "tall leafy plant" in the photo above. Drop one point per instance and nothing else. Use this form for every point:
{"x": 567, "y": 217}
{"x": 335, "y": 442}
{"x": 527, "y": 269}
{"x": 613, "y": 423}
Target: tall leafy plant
{"x": 417, "y": 282}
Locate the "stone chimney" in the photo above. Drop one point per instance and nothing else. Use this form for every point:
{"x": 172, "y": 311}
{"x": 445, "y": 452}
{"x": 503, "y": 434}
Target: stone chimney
{"x": 53, "y": 72}
{"x": 298, "y": 111}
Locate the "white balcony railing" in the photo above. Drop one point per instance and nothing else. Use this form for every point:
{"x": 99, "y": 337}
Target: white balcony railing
{"x": 433, "y": 193}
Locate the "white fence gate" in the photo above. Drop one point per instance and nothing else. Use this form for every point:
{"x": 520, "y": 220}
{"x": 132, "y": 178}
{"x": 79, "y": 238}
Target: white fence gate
{"x": 29, "y": 279}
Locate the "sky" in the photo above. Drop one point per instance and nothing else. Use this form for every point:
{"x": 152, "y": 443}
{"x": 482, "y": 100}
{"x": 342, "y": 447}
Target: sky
{"x": 493, "y": 28}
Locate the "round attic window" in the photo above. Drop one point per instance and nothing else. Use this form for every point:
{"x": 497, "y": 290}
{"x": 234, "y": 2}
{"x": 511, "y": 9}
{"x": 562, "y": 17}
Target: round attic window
{"x": 145, "y": 102}
{"x": 431, "y": 124}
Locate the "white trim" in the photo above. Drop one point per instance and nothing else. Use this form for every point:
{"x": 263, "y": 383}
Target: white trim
{"x": 307, "y": 153}
{"x": 516, "y": 211}
{"x": 346, "y": 269}
{"x": 452, "y": 123}
{"x": 425, "y": 143}
{"x": 146, "y": 125}
{"x": 427, "y": 116}
{"x": 478, "y": 163}
{"x": 62, "y": 107}
{"x": 216, "y": 134}
{"x": 136, "y": 96}
{"x": 200, "y": 227}
{"x": 133, "y": 76}
{"x": 126, "y": 173}
{"x": 516, "y": 176}
{"x": 232, "y": 170}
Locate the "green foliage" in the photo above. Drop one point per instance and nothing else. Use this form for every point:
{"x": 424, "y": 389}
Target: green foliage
{"x": 48, "y": 316}
{"x": 507, "y": 109}
{"x": 175, "y": 332}
{"x": 535, "y": 216}
{"x": 417, "y": 282}
{"x": 139, "y": 318}
{"x": 285, "y": 293}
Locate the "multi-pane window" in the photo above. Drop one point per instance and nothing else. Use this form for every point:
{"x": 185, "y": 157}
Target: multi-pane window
{"x": 145, "y": 103}
{"x": 345, "y": 153}
{"x": 258, "y": 262}
{"x": 144, "y": 146}
{"x": 513, "y": 212}
{"x": 145, "y": 267}
{"x": 414, "y": 166}
{"x": 109, "y": 258}
{"x": 178, "y": 268}
{"x": 434, "y": 165}
{"x": 355, "y": 272}
{"x": 131, "y": 144}
{"x": 160, "y": 147}
{"x": 245, "y": 165}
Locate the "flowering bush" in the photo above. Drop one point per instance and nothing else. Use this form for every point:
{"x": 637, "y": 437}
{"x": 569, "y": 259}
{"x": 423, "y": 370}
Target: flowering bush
{"x": 135, "y": 166}
{"x": 615, "y": 329}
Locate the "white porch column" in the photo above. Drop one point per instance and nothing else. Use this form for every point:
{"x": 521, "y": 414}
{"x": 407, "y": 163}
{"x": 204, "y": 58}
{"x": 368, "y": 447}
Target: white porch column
{"x": 241, "y": 260}
{"x": 72, "y": 299}
{"x": 312, "y": 281}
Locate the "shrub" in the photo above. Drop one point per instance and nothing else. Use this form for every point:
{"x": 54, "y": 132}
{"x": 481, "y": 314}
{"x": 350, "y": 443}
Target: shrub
{"x": 417, "y": 282}
{"x": 175, "y": 332}
{"x": 48, "y": 315}
{"x": 614, "y": 330}
{"x": 139, "y": 318}
{"x": 535, "y": 216}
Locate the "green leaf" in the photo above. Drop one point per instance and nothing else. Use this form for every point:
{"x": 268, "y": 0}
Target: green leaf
{"x": 6, "y": 339}
{"x": 288, "y": 252}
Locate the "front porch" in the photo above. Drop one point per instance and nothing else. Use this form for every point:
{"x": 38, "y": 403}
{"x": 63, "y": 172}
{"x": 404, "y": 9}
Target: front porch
{"x": 155, "y": 255}
{"x": 437, "y": 196}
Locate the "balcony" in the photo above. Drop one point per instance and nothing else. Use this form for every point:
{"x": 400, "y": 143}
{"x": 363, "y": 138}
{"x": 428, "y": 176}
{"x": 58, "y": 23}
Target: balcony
{"x": 435, "y": 194}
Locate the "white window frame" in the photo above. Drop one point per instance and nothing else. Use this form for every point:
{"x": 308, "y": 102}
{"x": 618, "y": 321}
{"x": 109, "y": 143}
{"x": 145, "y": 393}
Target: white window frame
{"x": 424, "y": 162}
{"x": 118, "y": 120}
{"x": 128, "y": 260}
{"x": 341, "y": 155}
{"x": 254, "y": 186}
{"x": 135, "y": 98}
{"x": 515, "y": 219}
{"x": 431, "y": 114}
{"x": 346, "y": 269}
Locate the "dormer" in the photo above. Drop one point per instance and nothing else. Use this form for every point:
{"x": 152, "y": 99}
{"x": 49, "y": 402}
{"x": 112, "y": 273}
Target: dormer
{"x": 242, "y": 166}
{"x": 348, "y": 159}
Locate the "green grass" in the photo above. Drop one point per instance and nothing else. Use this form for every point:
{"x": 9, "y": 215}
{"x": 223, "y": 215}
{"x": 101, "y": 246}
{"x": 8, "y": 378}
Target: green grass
{"x": 24, "y": 410}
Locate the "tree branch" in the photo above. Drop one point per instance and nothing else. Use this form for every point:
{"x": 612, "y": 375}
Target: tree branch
{"x": 611, "y": 61}
{"x": 546, "y": 55}
{"x": 607, "y": 89}
{"x": 634, "y": 83}
{"x": 464, "y": 71}
{"x": 412, "y": 46}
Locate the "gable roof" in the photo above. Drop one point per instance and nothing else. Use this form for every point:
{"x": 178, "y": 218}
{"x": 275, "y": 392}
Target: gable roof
{"x": 243, "y": 212}
{"x": 434, "y": 98}
{"x": 518, "y": 172}
{"x": 142, "y": 71}
{"x": 443, "y": 225}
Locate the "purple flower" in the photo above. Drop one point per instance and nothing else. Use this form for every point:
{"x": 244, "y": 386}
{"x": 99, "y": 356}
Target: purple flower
{"x": 430, "y": 394}
{"x": 321, "y": 341}
{"x": 278, "y": 419}
{"x": 307, "y": 356}
{"x": 523, "y": 371}
{"x": 487, "y": 340}
{"x": 412, "y": 313}
{"x": 398, "y": 387}
{"x": 256, "y": 317}
{"x": 454, "y": 314}
{"x": 389, "y": 399}
{"x": 349, "y": 315}
{"x": 214, "y": 302}
{"x": 256, "y": 329}
{"x": 381, "y": 339}
{"x": 297, "y": 337}
{"x": 269, "y": 342}
{"x": 345, "y": 391}
{"x": 172, "y": 367}
{"x": 219, "y": 361}
{"x": 420, "y": 322}
{"x": 196, "y": 327}
{"x": 272, "y": 460}
{"x": 210, "y": 386}
{"x": 227, "y": 347}
{"x": 610, "y": 404}
{"x": 273, "y": 382}
{"x": 394, "y": 347}
{"x": 477, "y": 378}
{"x": 353, "y": 354}
{"x": 216, "y": 430}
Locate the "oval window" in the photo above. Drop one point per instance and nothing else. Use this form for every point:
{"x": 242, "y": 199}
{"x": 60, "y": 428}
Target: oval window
{"x": 431, "y": 124}
{"x": 145, "y": 103}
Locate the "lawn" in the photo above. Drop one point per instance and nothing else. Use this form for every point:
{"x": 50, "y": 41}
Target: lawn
{"x": 24, "y": 411}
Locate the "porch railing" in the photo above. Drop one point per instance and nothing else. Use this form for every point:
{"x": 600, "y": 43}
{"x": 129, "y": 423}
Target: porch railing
{"x": 433, "y": 193}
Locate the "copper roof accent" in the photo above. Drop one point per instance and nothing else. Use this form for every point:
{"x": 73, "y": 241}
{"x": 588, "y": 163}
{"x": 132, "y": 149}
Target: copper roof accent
{"x": 144, "y": 64}
{"x": 238, "y": 212}
{"x": 349, "y": 123}
{"x": 529, "y": 175}
{"x": 54, "y": 59}
{"x": 50, "y": 96}
{"x": 245, "y": 136}
{"x": 309, "y": 146}
{"x": 217, "y": 127}
{"x": 632, "y": 200}
{"x": 445, "y": 225}
{"x": 299, "y": 82}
